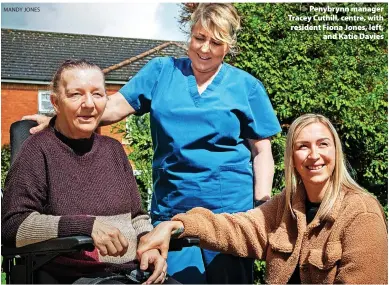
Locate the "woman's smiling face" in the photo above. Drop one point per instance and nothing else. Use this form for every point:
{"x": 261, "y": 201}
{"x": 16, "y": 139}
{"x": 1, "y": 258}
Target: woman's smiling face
{"x": 81, "y": 101}
{"x": 314, "y": 155}
{"x": 205, "y": 52}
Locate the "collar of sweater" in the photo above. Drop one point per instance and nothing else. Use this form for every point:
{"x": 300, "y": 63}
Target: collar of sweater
{"x": 79, "y": 146}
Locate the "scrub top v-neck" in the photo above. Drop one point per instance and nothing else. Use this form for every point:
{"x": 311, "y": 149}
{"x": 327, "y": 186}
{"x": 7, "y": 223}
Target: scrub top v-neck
{"x": 201, "y": 157}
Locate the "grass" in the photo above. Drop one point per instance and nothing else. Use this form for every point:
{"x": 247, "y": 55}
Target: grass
{"x": 2, "y": 274}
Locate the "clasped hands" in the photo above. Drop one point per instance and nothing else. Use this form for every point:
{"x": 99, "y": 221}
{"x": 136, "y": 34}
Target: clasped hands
{"x": 110, "y": 241}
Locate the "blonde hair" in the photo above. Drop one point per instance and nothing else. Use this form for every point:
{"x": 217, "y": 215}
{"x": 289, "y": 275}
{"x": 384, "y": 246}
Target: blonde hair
{"x": 340, "y": 177}
{"x": 218, "y": 19}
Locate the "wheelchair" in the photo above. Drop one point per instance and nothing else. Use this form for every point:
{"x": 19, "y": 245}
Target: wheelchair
{"x": 23, "y": 265}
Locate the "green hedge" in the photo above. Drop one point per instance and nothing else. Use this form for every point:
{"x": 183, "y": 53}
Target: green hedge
{"x": 5, "y": 162}
{"x": 136, "y": 131}
{"x": 345, "y": 80}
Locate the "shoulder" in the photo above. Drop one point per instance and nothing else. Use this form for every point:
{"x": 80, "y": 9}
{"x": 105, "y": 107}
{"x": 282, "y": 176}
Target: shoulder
{"x": 162, "y": 61}
{"x": 362, "y": 225}
{"x": 161, "y": 65}
{"x": 39, "y": 140}
{"x": 108, "y": 142}
{"x": 153, "y": 65}
{"x": 359, "y": 202}
{"x": 181, "y": 63}
{"x": 33, "y": 151}
{"x": 241, "y": 74}
{"x": 237, "y": 71}
{"x": 110, "y": 147}
{"x": 179, "y": 60}
{"x": 249, "y": 81}
{"x": 357, "y": 206}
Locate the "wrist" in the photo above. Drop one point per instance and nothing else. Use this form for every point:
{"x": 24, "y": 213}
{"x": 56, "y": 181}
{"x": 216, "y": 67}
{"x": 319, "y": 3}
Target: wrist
{"x": 175, "y": 225}
{"x": 177, "y": 228}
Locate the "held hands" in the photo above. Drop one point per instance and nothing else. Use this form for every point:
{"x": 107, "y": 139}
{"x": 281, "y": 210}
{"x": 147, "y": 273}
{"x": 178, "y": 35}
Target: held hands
{"x": 43, "y": 122}
{"x": 150, "y": 246}
{"x": 158, "y": 266}
{"x": 158, "y": 238}
{"x": 108, "y": 240}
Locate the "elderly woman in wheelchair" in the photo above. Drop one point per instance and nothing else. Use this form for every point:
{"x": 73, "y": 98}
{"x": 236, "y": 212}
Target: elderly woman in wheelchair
{"x": 68, "y": 180}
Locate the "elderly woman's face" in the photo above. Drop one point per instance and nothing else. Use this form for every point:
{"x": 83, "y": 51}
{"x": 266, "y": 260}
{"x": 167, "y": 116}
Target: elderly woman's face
{"x": 205, "y": 52}
{"x": 314, "y": 155}
{"x": 81, "y": 101}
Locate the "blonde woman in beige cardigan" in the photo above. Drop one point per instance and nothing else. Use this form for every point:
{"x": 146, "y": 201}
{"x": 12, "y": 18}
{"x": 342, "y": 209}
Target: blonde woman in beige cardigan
{"x": 323, "y": 228}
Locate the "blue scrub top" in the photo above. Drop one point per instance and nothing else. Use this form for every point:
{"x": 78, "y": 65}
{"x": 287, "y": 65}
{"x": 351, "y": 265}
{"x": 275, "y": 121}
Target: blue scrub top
{"x": 201, "y": 157}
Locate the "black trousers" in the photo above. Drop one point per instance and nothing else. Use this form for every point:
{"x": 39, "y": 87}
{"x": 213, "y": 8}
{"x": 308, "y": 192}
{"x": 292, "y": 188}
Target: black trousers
{"x": 229, "y": 269}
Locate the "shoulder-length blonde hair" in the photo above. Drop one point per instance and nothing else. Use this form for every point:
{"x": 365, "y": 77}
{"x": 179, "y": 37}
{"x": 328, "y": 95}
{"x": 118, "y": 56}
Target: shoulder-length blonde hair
{"x": 340, "y": 177}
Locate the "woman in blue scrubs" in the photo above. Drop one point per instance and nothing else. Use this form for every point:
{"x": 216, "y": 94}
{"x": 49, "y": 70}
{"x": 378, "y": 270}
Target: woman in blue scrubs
{"x": 211, "y": 125}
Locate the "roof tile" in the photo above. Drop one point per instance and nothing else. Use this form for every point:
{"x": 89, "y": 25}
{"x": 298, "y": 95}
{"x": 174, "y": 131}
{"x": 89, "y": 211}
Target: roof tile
{"x": 35, "y": 55}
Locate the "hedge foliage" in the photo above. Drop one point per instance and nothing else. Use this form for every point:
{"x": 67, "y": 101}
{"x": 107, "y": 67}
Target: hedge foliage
{"x": 345, "y": 80}
{"x": 5, "y": 162}
{"x": 136, "y": 131}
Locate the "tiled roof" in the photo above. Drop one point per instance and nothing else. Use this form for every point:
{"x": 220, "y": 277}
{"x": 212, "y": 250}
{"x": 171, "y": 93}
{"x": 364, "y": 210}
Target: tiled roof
{"x": 34, "y": 55}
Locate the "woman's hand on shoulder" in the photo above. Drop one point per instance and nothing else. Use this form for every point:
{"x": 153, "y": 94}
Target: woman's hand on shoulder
{"x": 43, "y": 122}
{"x": 109, "y": 240}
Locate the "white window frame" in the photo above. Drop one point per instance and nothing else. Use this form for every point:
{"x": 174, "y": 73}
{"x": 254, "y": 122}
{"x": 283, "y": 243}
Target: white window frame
{"x": 41, "y": 109}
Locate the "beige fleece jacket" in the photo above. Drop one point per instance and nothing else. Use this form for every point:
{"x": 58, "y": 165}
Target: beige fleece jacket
{"x": 349, "y": 246}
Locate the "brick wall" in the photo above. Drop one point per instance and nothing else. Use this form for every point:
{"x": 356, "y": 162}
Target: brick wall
{"x": 18, "y": 100}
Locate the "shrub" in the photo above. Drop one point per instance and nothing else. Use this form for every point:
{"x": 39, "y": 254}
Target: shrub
{"x": 136, "y": 130}
{"x": 345, "y": 80}
{"x": 5, "y": 162}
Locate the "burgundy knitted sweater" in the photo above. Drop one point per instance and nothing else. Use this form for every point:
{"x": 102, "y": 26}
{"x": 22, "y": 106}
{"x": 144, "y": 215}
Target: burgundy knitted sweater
{"x": 57, "y": 187}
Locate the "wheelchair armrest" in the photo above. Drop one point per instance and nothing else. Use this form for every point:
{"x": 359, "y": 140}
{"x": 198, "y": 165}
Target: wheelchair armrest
{"x": 75, "y": 243}
{"x": 65, "y": 244}
{"x": 176, "y": 244}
